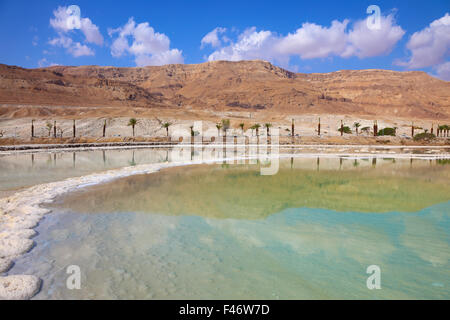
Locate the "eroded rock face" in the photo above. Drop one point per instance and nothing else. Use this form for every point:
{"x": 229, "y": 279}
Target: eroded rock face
{"x": 224, "y": 86}
{"x": 19, "y": 287}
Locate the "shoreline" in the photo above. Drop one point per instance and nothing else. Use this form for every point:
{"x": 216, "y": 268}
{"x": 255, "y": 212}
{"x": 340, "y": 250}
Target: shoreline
{"x": 21, "y": 211}
{"x": 30, "y": 148}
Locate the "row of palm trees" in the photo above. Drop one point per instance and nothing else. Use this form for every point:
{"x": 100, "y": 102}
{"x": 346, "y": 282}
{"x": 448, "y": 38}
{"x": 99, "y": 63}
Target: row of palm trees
{"x": 443, "y": 131}
{"x": 224, "y": 125}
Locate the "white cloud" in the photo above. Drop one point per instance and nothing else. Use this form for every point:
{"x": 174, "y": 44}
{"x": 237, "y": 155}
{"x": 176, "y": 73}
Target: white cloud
{"x": 147, "y": 46}
{"x": 65, "y": 24}
{"x": 365, "y": 42}
{"x": 430, "y": 46}
{"x": 35, "y": 40}
{"x": 159, "y": 59}
{"x": 79, "y": 50}
{"x": 315, "y": 41}
{"x": 443, "y": 71}
{"x": 251, "y": 44}
{"x": 212, "y": 38}
{"x": 311, "y": 41}
{"x": 75, "y": 48}
{"x": 91, "y": 32}
{"x": 45, "y": 63}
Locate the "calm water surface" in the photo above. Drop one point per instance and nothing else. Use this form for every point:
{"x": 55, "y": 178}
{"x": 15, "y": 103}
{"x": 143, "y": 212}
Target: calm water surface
{"x": 224, "y": 231}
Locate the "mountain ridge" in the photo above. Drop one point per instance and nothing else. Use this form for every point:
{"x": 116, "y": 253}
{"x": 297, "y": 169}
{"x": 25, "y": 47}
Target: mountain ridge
{"x": 220, "y": 86}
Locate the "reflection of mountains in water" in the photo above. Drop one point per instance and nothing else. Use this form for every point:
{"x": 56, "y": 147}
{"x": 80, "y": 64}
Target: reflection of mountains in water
{"x": 239, "y": 191}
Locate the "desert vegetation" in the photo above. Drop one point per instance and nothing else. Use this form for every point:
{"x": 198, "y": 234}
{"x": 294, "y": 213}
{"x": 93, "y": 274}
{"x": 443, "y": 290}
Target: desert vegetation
{"x": 387, "y": 132}
{"x": 132, "y": 123}
{"x": 73, "y": 131}
{"x": 268, "y": 126}
{"x": 424, "y": 136}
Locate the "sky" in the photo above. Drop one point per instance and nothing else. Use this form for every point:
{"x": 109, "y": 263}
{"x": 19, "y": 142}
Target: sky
{"x": 301, "y": 36}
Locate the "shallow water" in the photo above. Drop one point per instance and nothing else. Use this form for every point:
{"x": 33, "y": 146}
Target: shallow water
{"x": 224, "y": 231}
{"x": 20, "y": 170}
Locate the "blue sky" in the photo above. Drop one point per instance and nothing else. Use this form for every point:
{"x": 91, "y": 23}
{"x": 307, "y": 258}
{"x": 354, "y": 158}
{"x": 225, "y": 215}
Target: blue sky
{"x": 298, "y": 35}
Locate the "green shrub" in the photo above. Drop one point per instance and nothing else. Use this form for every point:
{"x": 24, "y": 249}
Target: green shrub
{"x": 424, "y": 136}
{"x": 386, "y": 132}
{"x": 346, "y": 130}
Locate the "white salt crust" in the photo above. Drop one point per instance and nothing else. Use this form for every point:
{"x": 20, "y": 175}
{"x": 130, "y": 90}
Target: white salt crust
{"x": 19, "y": 287}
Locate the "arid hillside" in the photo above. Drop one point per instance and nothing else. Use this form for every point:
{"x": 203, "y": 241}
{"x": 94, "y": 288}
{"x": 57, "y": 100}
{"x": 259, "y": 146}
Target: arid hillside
{"x": 246, "y": 86}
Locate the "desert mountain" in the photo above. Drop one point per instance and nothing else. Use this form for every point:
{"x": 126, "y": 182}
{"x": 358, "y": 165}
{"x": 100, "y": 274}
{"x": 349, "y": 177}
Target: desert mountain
{"x": 255, "y": 86}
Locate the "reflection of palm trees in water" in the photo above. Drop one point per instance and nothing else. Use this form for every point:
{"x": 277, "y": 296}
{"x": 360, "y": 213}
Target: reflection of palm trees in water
{"x": 224, "y": 147}
{"x": 318, "y": 163}
{"x": 32, "y": 160}
{"x": 224, "y": 152}
{"x": 104, "y": 158}
{"x": 133, "y": 162}
{"x": 235, "y": 148}
{"x": 74, "y": 159}
{"x": 374, "y": 162}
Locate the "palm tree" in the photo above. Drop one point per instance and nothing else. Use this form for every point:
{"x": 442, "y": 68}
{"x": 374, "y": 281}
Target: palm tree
{"x": 104, "y": 129}
{"x": 445, "y": 130}
{"x": 225, "y": 125}
{"x": 132, "y": 123}
{"x": 49, "y": 128}
{"x": 357, "y": 125}
{"x": 257, "y": 126}
{"x": 241, "y": 125}
{"x": 166, "y": 125}
{"x": 218, "y": 126}
{"x": 267, "y": 126}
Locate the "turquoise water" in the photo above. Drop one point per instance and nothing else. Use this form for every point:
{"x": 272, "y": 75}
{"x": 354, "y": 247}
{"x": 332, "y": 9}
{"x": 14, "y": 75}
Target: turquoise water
{"x": 226, "y": 232}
